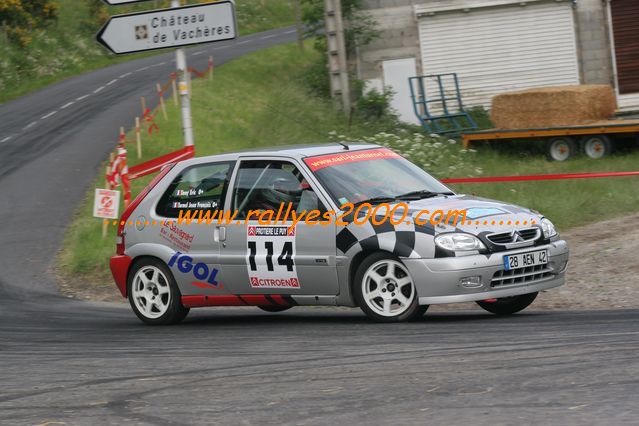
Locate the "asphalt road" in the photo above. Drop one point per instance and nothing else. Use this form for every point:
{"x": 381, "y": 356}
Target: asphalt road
{"x": 82, "y": 363}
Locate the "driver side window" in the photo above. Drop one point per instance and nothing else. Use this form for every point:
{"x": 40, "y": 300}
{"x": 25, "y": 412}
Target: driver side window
{"x": 200, "y": 187}
{"x": 266, "y": 185}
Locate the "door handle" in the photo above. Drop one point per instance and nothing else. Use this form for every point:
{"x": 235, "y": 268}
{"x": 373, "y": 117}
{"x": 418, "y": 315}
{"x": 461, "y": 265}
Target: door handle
{"x": 219, "y": 233}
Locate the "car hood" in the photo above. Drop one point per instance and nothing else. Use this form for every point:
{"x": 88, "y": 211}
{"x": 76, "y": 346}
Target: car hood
{"x": 482, "y": 215}
{"x": 411, "y": 235}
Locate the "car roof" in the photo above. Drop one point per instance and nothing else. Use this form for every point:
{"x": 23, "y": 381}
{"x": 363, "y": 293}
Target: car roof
{"x": 296, "y": 151}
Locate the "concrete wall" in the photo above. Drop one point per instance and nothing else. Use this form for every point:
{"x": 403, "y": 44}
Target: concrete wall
{"x": 594, "y": 43}
{"x": 400, "y": 38}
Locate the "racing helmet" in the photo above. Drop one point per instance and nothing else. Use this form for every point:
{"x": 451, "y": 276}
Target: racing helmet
{"x": 283, "y": 189}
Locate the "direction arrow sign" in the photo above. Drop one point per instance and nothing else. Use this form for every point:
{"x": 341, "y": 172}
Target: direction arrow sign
{"x": 159, "y": 29}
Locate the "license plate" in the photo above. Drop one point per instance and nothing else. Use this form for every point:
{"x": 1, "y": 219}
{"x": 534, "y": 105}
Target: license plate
{"x": 524, "y": 260}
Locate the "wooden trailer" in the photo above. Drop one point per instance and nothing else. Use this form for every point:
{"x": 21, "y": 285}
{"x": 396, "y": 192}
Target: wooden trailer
{"x": 594, "y": 139}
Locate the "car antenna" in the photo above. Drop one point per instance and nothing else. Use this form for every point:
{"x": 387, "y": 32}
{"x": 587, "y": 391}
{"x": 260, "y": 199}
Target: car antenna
{"x": 346, "y": 147}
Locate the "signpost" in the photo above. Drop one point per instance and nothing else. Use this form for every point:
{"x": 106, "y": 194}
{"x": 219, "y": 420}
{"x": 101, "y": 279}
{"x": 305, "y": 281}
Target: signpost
{"x": 175, "y": 27}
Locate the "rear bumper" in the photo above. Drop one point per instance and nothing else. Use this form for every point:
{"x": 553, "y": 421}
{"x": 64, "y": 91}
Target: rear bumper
{"x": 438, "y": 280}
{"x": 120, "y": 270}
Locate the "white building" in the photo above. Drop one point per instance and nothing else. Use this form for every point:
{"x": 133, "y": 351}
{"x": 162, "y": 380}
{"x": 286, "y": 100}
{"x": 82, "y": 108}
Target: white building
{"x": 503, "y": 45}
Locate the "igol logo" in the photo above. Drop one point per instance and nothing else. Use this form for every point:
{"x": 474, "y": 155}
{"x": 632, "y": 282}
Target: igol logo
{"x": 200, "y": 271}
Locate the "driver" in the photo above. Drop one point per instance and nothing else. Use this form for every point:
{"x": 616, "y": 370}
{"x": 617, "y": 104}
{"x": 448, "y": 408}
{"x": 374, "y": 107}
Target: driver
{"x": 283, "y": 189}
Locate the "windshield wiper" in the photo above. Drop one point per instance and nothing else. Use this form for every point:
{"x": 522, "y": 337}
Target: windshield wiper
{"x": 423, "y": 193}
{"x": 376, "y": 200}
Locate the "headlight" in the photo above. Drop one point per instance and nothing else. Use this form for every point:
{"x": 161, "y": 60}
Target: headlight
{"x": 459, "y": 242}
{"x": 548, "y": 228}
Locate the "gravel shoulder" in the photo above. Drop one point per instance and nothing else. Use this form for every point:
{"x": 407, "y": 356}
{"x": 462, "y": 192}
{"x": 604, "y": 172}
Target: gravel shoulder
{"x": 603, "y": 272}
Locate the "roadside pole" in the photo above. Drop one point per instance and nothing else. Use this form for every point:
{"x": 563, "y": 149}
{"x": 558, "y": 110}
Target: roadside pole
{"x": 337, "y": 59}
{"x": 185, "y": 97}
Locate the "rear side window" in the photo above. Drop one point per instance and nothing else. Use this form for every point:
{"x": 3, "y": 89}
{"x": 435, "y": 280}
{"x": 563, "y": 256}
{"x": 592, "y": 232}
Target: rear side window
{"x": 200, "y": 187}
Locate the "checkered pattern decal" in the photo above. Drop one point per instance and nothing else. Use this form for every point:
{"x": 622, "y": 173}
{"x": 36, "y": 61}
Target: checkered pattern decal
{"x": 403, "y": 240}
{"x": 409, "y": 240}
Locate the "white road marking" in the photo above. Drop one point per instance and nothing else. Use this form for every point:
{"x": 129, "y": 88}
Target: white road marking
{"x": 99, "y": 89}
{"x": 162, "y": 63}
{"x": 67, "y": 105}
{"x": 290, "y": 32}
{"x": 30, "y": 125}
{"x": 51, "y": 114}
{"x": 221, "y": 47}
{"x": 142, "y": 69}
{"x": 198, "y": 53}
{"x": 126, "y": 74}
{"x": 268, "y": 36}
{"x": 6, "y": 139}
{"x": 112, "y": 81}
{"x": 243, "y": 42}
{"x": 82, "y": 97}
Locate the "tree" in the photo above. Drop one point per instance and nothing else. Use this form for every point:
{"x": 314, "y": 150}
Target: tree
{"x": 20, "y": 17}
{"x": 359, "y": 27}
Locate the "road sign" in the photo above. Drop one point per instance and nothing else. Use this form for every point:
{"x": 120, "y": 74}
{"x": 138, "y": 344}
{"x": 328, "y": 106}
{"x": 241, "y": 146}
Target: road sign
{"x": 180, "y": 26}
{"x": 106, "y": 203}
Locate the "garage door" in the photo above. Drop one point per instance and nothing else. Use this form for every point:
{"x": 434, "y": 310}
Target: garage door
{"x": 499, "y": 49}
{"x": 625, "y": 26}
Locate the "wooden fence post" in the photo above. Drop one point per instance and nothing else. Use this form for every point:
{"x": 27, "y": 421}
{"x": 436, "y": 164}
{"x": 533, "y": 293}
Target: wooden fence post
{"x": 162, "y": 105}
{"x": 138, "y": 137}
{"x": 175, "y": 93}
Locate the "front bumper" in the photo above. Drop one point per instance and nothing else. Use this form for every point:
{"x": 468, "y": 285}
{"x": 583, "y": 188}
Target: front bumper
{"x": 438, "y": 280}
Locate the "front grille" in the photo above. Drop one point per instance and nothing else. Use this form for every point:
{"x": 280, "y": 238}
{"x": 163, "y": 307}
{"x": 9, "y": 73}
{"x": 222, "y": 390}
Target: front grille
{"x": 520, "y": 236}
{"x": 525, "y": 275}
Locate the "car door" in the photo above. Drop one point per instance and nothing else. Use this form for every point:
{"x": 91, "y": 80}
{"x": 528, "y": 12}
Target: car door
{"x": 270, "y": 253}
{"x": 197, "y": 188}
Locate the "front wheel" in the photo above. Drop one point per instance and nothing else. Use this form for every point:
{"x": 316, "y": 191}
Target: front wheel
{"x": 508, "y": 305}
{"x": 385, "y": 291}
{"x": 154, "y": 294}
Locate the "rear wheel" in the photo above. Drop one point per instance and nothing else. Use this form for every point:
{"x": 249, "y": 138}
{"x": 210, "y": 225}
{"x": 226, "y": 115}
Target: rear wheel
{"x": 596, "y": 146}
{"x": 560, "y": 148}
{"x": 508, "y": 305}
{"x": 385, "y": 291}
{"x": 153, "y": 293}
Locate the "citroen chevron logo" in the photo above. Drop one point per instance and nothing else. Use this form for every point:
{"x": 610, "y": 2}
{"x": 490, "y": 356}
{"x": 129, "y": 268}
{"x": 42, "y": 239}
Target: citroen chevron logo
{"x": 516, "y": 237}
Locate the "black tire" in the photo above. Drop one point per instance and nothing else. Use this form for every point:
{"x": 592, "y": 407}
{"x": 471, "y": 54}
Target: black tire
{"x": 596, "y": 146}
{"x": 508, "y": 305}
{"x": 560, "y": 148}
{"x": 412, "y": 312}
{"x": 175, "y": 311}
{"x": 274, "y": 309}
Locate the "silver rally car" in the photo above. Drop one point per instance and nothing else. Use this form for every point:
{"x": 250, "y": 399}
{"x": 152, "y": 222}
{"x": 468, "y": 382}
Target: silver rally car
{"x": 384, "y": 252}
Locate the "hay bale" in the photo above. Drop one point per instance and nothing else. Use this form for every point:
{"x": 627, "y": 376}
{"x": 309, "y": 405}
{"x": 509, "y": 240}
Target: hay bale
{"x": 553, "y": 106}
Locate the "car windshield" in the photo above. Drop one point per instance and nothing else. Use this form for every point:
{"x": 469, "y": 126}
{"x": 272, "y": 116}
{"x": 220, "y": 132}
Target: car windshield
{"x": 373, "y": 175}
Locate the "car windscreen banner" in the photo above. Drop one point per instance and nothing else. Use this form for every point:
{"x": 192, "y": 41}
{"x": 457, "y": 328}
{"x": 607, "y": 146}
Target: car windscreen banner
{"x": 330, "y": 160}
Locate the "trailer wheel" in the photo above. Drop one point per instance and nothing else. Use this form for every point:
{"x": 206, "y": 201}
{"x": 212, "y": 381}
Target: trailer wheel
{"x": 560, "y": 148}
{"x": 596, "y": 146}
